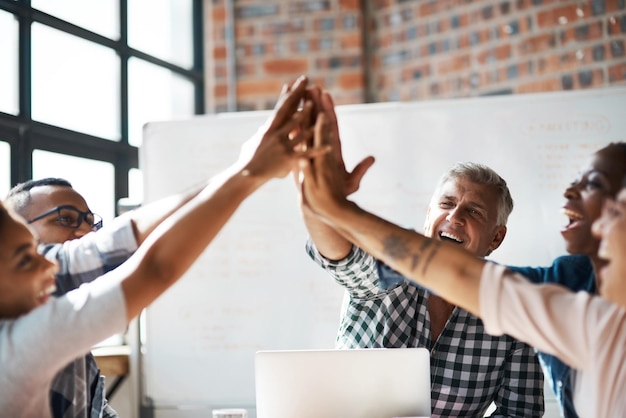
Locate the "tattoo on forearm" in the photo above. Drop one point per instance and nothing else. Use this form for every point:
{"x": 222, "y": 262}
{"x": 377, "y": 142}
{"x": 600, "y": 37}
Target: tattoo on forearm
{"x": 395, "y": 246}
{"x": 399, "y": 248}
{"x": 430, "y": 256}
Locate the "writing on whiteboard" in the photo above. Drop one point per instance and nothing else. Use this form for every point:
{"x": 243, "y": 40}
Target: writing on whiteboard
{"x": 568, "y": 126}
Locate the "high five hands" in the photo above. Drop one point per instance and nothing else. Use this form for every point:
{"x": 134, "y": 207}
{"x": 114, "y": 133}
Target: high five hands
{"x": 323, "y": 179}
{"x": 285, "y": 137}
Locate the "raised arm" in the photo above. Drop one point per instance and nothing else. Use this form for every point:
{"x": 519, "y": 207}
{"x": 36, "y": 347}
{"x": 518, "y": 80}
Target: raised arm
{"x": 331, "y": 244}
{"x": 176, "y": 242}
{"x": 448, "y": 270}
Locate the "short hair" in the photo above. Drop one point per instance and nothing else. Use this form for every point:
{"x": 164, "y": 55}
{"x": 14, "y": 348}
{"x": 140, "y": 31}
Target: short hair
{"x": 620, "y": 146}
{"x": 19, "y": 196}
{"x": 481, "y": 174}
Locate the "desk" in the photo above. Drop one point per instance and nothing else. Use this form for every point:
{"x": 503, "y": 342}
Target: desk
{"x": 113, "y": 361}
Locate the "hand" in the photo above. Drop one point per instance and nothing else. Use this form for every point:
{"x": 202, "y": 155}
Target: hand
{"x": 323, "y": 102}
{"x": 321, "y": 180}
{"x": 274, "y": 150}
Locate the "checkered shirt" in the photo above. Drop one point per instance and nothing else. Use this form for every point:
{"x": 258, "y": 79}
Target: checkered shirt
{"x": 469, "y": 368}
{"x": 107, "y": 249}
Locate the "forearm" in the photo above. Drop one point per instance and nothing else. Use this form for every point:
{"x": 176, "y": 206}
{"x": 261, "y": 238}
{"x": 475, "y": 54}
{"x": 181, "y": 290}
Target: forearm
{"x": 328, "y": 242}
{"x": 178, "y": 241}
{"x": 445, "y": 269}
{"x": 146, "y": 218}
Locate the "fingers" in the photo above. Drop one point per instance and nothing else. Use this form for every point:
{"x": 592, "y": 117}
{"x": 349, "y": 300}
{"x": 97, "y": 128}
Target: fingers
{"x": 354, "y": 182}
{"x": 292, "y": 127}
{"x": 362, "y": 167}
{"x": 320, "y": 131}
{"x": 288, "y": 103}
{"x": 314, "y": 93}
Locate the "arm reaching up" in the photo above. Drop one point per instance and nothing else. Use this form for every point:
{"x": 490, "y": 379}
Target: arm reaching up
{"x": 329, "y": 242}
{"x": 170, "y": 249}
{"x": 446, "y": 269}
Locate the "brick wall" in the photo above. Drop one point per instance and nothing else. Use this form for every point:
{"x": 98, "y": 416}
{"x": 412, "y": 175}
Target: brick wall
{"x": 390, "y": 50}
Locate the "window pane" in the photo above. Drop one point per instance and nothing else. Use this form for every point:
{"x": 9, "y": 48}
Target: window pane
{"x": 76, "y": 83}
{"x": 5, "y": 169}
{"x": 8, "y": 70}
{"x": 163, "y": 28}
{"x": 92, "y": 179}
{"x": 155, "y": 93}
{"x": 100, "y": 16}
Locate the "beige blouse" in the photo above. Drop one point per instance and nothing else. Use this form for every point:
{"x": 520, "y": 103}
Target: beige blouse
{"x": 586, "y": 332}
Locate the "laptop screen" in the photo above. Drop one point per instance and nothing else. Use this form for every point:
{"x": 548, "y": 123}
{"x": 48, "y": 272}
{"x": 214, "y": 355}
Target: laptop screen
{"x": 362, "y": 383}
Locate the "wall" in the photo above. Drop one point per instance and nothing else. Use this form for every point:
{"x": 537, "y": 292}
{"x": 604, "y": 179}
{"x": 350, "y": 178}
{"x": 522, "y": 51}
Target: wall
{"x": 403, "y": 50}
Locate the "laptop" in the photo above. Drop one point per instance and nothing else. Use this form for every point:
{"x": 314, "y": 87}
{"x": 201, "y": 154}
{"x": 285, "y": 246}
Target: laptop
{"x": 361, "y": 383}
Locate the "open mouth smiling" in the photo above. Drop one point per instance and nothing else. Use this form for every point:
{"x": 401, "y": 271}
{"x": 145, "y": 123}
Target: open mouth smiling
{"x": 447, "y": 236}
{"x": 573, "y": 217}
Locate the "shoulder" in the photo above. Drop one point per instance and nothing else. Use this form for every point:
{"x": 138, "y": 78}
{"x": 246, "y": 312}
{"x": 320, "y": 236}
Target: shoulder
{"x": 573, "y": 271}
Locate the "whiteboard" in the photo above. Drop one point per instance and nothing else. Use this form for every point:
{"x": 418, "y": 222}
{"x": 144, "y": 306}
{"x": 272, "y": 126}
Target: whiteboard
{"x": 255, "y": 288}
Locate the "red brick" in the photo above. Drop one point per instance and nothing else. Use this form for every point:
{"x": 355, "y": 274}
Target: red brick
{"x": 503, "y": 52}
{"x": 286, "y": 66}
{"x": 617, "y": 72}
{"x": 244, "y": 31}
{"x": 552, "y": 17}
{"x": 219, "y": 52}
{"x": 428, "y": 8}
{"x": 551, "y": 84}
{"x": 613, "y": 25}
{"x": 463, "y": 41}
{"x": 463, "y": 20}
{"x": 220, "y": 90}
{"x": 612, "y": 6}
{"x": 350, "y": 81}
{"x": 270, "y": 88}
{"x": 537, "y": 43}
{"x": 349, "y": 5}
{"x": 454, "y": 64}
{"x": 350, "y": 40}
{"x": 218, "y": 14}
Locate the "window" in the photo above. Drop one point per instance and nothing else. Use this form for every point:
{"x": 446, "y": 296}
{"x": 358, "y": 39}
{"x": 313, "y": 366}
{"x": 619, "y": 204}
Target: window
{"x": 5, "y": 172}
{"x": 8, "y": 69}
{"x": 92, "y": 179}
{"x": 75, "y": 83}
{"x": 101, "y": 17}
{"x": 80, "y": 79}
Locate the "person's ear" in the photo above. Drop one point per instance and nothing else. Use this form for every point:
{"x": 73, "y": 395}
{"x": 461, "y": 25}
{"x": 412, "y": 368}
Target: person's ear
{"x": 497, "y": 238}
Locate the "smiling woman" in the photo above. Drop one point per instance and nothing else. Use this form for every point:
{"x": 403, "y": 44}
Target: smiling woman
{"x": 139, "y": 257}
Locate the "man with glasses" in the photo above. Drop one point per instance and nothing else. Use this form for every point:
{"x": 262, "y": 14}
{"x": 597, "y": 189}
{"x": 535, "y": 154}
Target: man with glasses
{"x": 58, "y": 213}
{"x": 54, "y": 210}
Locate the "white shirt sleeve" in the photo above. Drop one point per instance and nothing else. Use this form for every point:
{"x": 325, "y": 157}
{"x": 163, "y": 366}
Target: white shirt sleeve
{"x": 41, "y": 342}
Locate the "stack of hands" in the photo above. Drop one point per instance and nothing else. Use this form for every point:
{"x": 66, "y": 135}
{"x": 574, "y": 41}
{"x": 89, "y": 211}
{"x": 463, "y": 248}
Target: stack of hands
{"x": 304, "y": 125}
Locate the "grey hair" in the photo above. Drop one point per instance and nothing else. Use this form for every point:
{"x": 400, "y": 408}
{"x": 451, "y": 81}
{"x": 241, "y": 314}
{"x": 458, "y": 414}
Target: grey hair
{"x": 481, "y": 174}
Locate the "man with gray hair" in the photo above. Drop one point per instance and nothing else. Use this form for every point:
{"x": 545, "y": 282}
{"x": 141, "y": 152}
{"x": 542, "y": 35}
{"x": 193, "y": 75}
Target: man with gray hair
{"x": 470, "y": 369}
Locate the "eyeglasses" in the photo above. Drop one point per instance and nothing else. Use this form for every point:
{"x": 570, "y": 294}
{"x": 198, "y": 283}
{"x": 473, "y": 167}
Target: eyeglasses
{"x": 70, "y": 217}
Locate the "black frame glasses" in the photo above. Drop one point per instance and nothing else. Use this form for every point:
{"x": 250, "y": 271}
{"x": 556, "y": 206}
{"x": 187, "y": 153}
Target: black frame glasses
{"x": 70, "y": 217}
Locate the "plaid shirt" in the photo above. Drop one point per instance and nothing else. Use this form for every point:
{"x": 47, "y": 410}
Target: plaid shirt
{"x": 108, "y": 248}
{"x": 469, "y": 368}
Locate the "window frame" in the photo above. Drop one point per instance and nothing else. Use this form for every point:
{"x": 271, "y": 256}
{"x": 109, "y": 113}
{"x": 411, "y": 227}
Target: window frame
{"x": 24, "y": 135}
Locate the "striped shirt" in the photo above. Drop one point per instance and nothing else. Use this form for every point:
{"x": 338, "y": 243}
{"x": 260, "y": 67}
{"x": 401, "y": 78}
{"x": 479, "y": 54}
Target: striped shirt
{"x": 102, "y": 252}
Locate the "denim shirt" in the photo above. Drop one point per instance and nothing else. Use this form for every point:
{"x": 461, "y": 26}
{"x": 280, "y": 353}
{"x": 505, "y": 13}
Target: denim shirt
{"x": 572, "y": 271}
